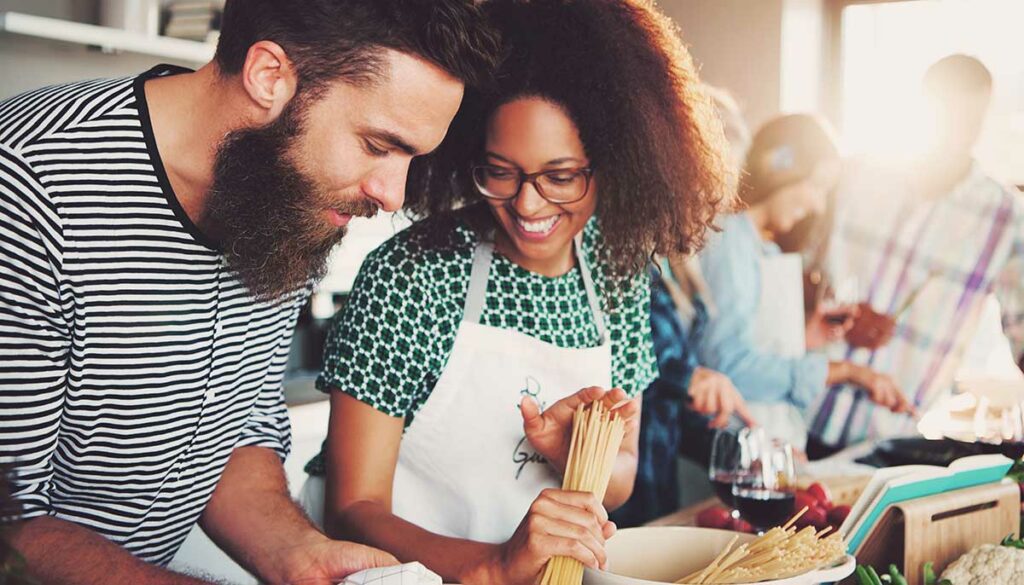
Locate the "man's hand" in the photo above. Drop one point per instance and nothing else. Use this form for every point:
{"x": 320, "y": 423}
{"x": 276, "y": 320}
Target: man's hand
{"x": 328, "y": 561}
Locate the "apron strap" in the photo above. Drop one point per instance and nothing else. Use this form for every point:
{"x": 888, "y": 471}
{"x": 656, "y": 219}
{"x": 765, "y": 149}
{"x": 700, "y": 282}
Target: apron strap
{"x": 588, "y": 285}
{"x": 483, "y": 255}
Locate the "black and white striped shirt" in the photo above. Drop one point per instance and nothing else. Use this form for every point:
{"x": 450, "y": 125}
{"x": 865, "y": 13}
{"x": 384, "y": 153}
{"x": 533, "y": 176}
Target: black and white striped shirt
{"x": 132, "y": 362}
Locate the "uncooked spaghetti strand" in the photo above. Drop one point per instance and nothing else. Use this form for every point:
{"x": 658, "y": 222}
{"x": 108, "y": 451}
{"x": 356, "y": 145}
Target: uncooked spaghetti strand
{"x": 698, "y": 577}
{"x": 573, "y": 441}
{"x": 597, "y": 436}
{"x": 795, "y": 517}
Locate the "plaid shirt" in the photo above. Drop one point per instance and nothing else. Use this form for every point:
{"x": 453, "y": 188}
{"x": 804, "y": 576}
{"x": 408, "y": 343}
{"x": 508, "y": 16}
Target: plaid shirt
{"x": 667, "y": 427}
{"x": 964, "y": 246}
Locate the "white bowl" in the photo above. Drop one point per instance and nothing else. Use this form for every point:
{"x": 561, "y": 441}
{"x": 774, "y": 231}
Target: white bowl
{"x": 664, "y": 554}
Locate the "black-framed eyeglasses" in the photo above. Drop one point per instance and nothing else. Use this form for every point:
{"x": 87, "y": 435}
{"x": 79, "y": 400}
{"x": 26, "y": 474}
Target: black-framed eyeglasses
{"x": 555, "y": 185}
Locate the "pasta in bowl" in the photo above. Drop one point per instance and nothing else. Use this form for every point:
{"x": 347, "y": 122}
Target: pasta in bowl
{"x": 664, "y": 555}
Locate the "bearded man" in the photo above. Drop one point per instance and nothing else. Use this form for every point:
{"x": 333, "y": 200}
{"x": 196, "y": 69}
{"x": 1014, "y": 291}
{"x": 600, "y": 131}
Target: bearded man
{"x": 158, "y": 236}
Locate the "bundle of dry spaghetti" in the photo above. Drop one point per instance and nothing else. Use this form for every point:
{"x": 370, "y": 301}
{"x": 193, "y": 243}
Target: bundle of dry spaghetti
{"x": 597, "y": 433}
{"x": 780, "y": 553}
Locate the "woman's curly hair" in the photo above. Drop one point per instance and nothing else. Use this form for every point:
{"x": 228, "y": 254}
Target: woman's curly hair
{"x": 621, "y": 72}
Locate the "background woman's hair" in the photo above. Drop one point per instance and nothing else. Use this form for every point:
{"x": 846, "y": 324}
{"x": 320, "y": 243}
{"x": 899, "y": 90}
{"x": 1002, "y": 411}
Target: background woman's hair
{"x": 620, "y": 71}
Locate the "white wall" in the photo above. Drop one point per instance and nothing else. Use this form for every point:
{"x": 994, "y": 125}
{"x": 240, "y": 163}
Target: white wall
{"x": 28, "y": 63}
{"x": 737, "y": 45}
{"x": 768, "y": 53}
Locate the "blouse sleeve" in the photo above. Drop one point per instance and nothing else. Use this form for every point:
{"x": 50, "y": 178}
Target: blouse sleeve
{"x": 388, "y": 345}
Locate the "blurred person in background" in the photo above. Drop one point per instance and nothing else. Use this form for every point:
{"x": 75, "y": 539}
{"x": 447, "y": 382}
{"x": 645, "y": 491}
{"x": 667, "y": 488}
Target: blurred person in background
{"x": 929, "y": 241}
{"x": 687, "y": 402}
{"x": 759, "y": 336}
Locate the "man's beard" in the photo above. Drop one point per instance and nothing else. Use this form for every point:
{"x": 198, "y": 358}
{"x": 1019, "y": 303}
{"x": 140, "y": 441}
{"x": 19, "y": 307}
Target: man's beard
{"x": 269, "y": 215}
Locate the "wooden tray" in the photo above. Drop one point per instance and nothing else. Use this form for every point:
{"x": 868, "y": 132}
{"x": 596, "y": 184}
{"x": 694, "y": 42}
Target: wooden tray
{"x": 844, "y": 489}
{"x": 940, "y": 528}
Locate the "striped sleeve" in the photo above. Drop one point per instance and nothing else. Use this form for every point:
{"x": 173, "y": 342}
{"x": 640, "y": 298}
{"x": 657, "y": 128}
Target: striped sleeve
{"x": 268, "y": 425}
{"x": 34, "y": 338}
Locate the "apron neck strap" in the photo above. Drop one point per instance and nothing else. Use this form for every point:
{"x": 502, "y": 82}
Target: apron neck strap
{"x": 483, "y": 255}
{"x": 588, "y": 285}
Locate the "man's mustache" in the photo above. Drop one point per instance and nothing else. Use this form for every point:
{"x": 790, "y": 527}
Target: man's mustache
{"x": 362, "y": 207}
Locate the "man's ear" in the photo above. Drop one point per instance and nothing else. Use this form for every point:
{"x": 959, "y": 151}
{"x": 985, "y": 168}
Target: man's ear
{"x": 269, "y": 79}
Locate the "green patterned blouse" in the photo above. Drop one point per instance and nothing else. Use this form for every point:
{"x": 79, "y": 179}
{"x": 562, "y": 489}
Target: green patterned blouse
{"x": 388, "y": 346}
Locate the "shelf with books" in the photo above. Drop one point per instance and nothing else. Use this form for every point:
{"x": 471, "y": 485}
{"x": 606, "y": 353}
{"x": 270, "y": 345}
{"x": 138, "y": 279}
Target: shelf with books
{"x": 106, "y": 38}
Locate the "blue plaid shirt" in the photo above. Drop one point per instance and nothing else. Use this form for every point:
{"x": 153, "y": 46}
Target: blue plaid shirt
{"x": 666, "y": 421}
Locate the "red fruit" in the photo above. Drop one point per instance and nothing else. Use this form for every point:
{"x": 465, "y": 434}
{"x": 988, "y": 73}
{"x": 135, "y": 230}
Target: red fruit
{"x": 821, "y": 494}
{"x": 741, "y": 525}
{"x": 837, "y": 515}
{"x": 803, "y": 498}
{"x": 814, "y": 516}
{"x": 714, "y": 517}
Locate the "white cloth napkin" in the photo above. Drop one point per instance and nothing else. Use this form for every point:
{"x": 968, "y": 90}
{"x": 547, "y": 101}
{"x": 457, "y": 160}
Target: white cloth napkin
{"x": 407, "y": 574}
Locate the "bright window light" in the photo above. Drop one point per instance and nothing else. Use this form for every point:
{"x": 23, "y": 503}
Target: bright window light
{"x": 886, "y": 49}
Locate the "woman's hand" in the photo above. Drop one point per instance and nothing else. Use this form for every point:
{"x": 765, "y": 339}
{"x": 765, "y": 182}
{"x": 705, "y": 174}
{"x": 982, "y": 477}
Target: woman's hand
{"x": 713, "y": 394}
{"x": 559, "y": 523}
{"x": 827, "y": 326}
{"x": 550, "y": 432}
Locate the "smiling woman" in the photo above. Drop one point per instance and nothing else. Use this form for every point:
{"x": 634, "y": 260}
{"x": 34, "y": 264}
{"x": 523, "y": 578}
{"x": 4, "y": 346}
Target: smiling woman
{"x": 623, "y": 83}
{"x": 455, "y": 368}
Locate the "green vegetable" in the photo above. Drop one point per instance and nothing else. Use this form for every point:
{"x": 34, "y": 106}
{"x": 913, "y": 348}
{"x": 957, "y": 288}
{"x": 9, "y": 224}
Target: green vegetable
{"x": 897, "y": 578}
{"x": 867, "y": 576}
{"x": 929, "y": 575}
{"x": 1012, "y": 542}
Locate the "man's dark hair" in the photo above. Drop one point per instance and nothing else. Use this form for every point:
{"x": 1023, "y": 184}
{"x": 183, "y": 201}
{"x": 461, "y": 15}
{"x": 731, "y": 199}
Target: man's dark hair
{"x": 328, "y": 40}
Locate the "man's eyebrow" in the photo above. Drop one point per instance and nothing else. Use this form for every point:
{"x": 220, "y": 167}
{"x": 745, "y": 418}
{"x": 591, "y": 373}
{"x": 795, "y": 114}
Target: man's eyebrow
{"x": 392, "y": 139}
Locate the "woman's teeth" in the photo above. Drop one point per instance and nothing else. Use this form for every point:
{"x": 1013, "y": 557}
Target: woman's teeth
{"x": 538, "y": 227}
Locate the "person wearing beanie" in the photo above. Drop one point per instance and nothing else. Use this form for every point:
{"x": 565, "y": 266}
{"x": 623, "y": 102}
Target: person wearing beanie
{"x": 791, "y": 166}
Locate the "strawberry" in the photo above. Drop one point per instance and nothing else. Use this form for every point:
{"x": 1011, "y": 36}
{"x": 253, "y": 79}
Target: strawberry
{"x": 714, "y": 517}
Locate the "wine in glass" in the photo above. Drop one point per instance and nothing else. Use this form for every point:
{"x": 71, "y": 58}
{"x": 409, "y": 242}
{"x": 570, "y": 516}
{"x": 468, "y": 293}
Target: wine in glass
{"x": 763, "y": 492}
{"x": 730, "y": 457}
{"x": 840, "y": 300}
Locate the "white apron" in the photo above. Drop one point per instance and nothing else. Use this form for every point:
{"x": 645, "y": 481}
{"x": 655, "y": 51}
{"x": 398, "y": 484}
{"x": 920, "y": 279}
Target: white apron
{"x": 780, "y": 329}
{"x": 464, "y": 468}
